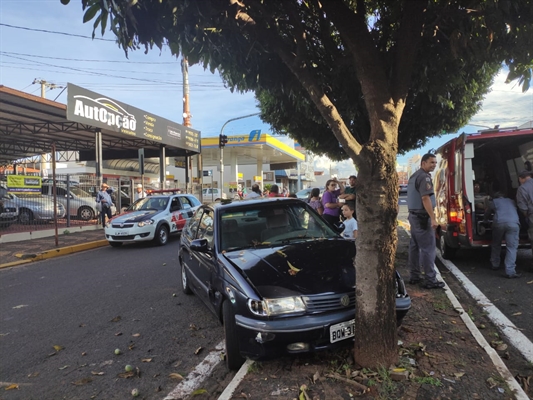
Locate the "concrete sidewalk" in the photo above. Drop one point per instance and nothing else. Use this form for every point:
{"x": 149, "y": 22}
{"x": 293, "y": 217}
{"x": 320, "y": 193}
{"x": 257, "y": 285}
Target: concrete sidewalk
{"x": 20, "y": 248}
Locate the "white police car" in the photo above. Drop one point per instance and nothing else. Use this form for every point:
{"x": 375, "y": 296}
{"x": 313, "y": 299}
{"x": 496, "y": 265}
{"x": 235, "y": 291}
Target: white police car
{"x": 155, "y": 217}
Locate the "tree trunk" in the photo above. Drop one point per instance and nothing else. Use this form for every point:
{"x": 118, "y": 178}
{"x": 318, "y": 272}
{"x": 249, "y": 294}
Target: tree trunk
{"x": 377, "y": 210}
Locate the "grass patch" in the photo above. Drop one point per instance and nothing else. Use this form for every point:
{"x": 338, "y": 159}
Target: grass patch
{"x": 428, "y": 380}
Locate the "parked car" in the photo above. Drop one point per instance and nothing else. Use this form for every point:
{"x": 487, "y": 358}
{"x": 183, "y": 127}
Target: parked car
{"x": 9, "y": 212}
{"x": 152, "y": 218}
{"x": 213, "y": 194}
{"x": 304, "y": 193}
{"x": 32, "y": 206}
{"x": 402, "y": 189}
{"x": 279, "y": 278}
{"x": 81, "y": 204}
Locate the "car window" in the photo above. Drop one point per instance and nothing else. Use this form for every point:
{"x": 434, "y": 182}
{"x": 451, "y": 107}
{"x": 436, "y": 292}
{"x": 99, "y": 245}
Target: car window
{"x": 175, "y": 204}
{"x": 192, "y": 201}
{"x": 205, "y": 228}
{"x": 60, "y": 191}
{"x": 192, "y": 226}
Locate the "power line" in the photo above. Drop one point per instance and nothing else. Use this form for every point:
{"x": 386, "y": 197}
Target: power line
{"x": 55, "y": 32}
{"x": 98, "y": 61}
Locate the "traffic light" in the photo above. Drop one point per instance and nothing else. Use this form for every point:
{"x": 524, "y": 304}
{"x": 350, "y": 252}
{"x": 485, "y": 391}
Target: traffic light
{"x": 222, "y": 140}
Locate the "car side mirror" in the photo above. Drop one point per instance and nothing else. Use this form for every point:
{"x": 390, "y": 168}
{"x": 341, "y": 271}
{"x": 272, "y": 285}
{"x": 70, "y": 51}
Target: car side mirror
{"x": 199, "y": 245}
{"x": 339, "y": 227}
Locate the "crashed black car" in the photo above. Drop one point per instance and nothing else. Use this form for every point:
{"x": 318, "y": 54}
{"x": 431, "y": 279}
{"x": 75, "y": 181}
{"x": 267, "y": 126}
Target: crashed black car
{"x": 279, "y": 278}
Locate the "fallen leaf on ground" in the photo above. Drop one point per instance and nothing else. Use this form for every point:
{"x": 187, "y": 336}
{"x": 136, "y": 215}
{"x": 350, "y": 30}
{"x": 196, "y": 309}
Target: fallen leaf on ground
{"x": 116, "y": 319}
{"x": 97, "y": 373}
{"x": 58, "y": 347}
{"x": 83, "y": 381}
{"x": 458, "y": 374}
{"x": 175, "y": 375}
{"x": 193, "y": 327}
{"x": 131, "y": 346}
{"x": 198, "y": 391}
{"x": 136, "y": 335}
{"x": 33, "y": 374}
{"x": 164, "y": 263}
{"x": 146, "y": 360}
{"x": 516, "y": 313}
{"x": 13, "y": 386}
{"x": 127, "y": 375}
{"x": 198, "y": 350}
{"x": 63, "y": 367}
{"x": 21, "y": 306}
{"x": 118, "y": 333}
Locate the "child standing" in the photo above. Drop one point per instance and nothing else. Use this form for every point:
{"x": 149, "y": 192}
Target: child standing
{"x": 350, "y": 224}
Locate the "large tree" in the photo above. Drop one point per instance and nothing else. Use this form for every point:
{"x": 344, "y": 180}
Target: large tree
{"x": 346, "y": 78}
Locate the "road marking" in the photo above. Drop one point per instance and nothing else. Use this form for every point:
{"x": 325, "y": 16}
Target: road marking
{"x": 236, "y": 381}
{"x": 198, "y": 375}
{"x": 494, "y": 356}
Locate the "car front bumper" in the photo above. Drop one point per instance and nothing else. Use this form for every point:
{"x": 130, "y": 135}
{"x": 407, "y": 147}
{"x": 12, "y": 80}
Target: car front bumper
{"x": 132, "y": 235}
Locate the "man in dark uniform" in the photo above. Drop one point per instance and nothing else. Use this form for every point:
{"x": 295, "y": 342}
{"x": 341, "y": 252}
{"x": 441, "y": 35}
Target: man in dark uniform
{"x": 350, "y": 193}
{"x": 421, "y": 201}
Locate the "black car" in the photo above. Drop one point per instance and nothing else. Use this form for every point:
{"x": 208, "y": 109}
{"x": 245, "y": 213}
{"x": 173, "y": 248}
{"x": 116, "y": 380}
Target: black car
{"x": 279, "y": 278}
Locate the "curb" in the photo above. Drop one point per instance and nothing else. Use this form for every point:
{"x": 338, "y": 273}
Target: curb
{"x": 27, "y": 258}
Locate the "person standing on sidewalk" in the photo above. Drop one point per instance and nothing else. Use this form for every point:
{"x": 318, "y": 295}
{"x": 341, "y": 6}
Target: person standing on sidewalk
{"x": 104, "y": 199}
{"x": 524, "y": 201}
{"x": 332, "y": 207}
{"x": 505, "y": 224}
{"x": 421, "y": 201}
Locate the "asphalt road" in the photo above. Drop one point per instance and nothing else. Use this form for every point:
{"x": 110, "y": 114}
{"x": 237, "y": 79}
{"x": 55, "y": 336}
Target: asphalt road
{"x": 513, "y": 297}
{"x": 89, "y": 304}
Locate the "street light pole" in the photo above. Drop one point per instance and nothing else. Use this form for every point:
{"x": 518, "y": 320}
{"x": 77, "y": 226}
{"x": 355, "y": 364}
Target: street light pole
{"x": 222, "y": 149}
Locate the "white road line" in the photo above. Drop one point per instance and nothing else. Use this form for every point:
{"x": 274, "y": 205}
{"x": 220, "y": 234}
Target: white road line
{"x": 198, "y": 375}
{"x": 509, "y": 330}
{"x": 494, "y": 356}
{"x": 236, "y": 381}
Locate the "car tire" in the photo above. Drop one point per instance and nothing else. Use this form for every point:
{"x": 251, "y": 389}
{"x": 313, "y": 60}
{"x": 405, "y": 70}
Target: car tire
{"x": 86, "y": 213}
{"x": 184, "y": 279}
{"x": 25, "y": 216}
{"x": 161, "y": 235}
{"x": 446, "y": 251}
{"x": 234, "y": 360}
{"x": 116, "y": 244}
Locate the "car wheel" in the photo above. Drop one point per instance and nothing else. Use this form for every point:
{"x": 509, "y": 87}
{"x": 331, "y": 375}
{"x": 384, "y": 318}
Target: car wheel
{"x": 115, "y": 244}
{"x": 161, "y": 235}
{"x": 25, "y": 216}
{"x": 234, "y": 360}
{"x": 184, "y": 279}
{"x": 446, "y": 251}
{"x": 86, "y": 213}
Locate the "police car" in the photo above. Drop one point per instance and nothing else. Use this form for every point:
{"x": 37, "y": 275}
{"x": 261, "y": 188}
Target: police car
{"x": 155, "y": 217}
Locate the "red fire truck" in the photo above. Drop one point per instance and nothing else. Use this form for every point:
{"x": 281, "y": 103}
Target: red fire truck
{"x": 471, "y": 168}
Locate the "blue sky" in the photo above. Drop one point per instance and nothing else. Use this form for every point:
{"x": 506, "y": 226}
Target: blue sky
{"x": 153, "y": 81}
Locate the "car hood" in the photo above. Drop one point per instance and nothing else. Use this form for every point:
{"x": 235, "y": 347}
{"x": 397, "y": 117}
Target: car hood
{"x": 306, "y": 268}
{"x": 135, "y": 216}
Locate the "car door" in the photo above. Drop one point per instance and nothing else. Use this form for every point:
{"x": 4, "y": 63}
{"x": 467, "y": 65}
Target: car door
{"x": 206, "y": 260}
{"x": 188, "y": 259}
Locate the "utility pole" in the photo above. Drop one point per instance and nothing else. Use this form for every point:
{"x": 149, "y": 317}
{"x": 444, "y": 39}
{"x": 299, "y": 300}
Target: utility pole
{"x": 45, "y": 85}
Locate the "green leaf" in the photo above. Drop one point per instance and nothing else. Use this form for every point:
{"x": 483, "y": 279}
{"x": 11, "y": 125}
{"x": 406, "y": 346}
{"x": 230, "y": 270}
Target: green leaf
{"x": 198, "y": 391}
{"x": 91, "y": 12}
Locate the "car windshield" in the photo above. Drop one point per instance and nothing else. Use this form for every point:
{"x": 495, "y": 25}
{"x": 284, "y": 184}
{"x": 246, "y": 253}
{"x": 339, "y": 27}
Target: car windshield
{"x": 150, "y": 203}
{"x": 79, "y": 192}
{"x": 271, "y": 224}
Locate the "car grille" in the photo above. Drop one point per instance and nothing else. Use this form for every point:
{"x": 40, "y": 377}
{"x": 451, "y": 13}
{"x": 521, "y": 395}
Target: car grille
{"x": 328, "y": 302}
{"x": 125, "y": 226}
{"x": 120, "y": 238}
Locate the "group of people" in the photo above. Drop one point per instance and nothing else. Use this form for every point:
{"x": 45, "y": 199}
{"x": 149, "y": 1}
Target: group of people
{"x": 105, "y": 200}
{"x": 505, "y": 223}
{"x": 337, "y": 201}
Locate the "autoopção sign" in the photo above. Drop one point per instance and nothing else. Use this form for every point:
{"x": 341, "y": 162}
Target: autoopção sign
{"x": 103, "y": 112}
{"x": 23, "y": 184}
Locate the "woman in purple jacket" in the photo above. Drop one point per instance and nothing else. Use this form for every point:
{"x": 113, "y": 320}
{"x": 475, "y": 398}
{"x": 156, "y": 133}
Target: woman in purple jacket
{"x": 329, "y": 200}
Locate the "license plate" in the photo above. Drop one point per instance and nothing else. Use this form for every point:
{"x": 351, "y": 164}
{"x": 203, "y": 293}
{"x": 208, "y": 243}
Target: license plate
{"x": 341, "y": 331}
{"x": 121, "y": 233}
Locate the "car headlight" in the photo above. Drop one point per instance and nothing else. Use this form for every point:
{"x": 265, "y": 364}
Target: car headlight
{"x": 272, "y": 307}
{"x": 147, "y": 222}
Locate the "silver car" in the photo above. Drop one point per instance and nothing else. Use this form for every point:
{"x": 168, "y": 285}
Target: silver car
{"x": 81, "y": 204}
{"x": 33, "y": 207}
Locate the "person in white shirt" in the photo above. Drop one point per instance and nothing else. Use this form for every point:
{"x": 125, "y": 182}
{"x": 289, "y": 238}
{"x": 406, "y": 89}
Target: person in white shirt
{"x": 139, "y": 193}
{"x": 256, "y": 192}
{"x": 350, "y": 223}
